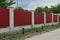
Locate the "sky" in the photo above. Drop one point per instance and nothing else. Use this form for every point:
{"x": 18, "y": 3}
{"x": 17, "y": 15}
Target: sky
{"x": 33, "y": 4}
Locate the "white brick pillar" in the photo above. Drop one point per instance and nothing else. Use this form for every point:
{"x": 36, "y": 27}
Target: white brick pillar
{"x": 11, "y": 17}
{"x": 52, "y": 18}
{"x": 32, "y": 18}
{"x": 44, "y": 18}
{"x": 57, "y": 18}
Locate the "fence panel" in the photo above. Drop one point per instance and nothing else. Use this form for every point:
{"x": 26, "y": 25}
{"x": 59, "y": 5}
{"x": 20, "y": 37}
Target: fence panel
{"x": 4, "y": 17}
{"x": 22, "y": 18}
{"x": 55, "y": 18}
{"x": 48, "y": 18}
{"x": 39, "y": 18}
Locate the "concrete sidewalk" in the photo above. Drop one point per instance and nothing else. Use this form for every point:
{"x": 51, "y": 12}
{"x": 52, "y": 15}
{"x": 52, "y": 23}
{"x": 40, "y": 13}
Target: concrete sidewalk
{"x": 53, "y": 35}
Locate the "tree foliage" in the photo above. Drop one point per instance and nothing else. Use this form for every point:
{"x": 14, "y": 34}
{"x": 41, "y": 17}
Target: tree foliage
{"x": 19, "y": 8}
{"x": 5, "y": 4}
{"x": 46, "y": 9}
{"x": 39, "y": 9}
{"x": 55, "y": 9}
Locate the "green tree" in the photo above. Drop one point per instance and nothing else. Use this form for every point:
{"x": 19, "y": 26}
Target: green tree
{"x": 55, "y": 9}
{"x": 46, "y": 9}
{"x": 5, "y": 4}
{"x": 19, "y": 8}
{"x": 39, "y": 9}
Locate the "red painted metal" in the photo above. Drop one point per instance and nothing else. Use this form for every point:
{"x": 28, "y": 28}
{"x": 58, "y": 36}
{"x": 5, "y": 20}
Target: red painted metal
{"x": 22, "y": 18}
{"x": 48, "y": 18}
{"x": 55, "y": 18}
{"x": 39, "y": 18}
{"x": 4, "y": 18}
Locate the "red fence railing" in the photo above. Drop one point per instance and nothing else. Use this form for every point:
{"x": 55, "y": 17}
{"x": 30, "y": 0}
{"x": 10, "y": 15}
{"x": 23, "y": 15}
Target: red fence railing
{"x": 24, "y": 18}
{"x": 4, "y": 17}
{"x": 48, "y": 18}
{"x": 39, "y": 18}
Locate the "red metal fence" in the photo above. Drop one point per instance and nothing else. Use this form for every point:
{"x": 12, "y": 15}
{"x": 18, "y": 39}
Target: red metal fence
{"x": 4, "y": 17}
{"x": 55, "y": 18}
{"x": 38, "y": 18}
{"x": 24, "y": 18}
{"x": 48, "y": 18}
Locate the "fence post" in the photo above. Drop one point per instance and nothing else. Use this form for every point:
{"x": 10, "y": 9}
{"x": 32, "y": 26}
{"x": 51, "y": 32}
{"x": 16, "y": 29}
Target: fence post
{"x": 44, "y": 18}
{"x": 32, "y": 18}
{"x": 11, "y": 16}
{"x": 57, "y": 18}
{"x": 52, "y": 18}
